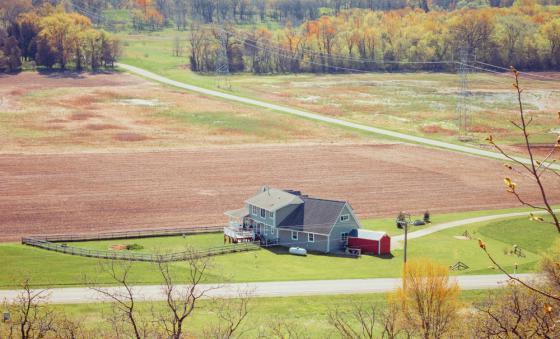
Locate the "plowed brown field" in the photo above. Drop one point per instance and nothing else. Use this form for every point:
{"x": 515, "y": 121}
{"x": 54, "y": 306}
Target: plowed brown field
{"x": 93, "y": 192}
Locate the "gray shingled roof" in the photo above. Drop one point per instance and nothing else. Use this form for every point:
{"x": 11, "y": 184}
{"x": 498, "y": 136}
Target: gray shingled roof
{"x": 314, "y": 215}
{"x": 272, "y": 199}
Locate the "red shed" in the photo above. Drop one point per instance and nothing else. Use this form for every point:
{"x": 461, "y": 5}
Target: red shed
{"x": 370, "y": 242}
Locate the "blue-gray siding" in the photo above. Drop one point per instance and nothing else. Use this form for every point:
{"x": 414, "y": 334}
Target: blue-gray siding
{"x": 336, "y": 243}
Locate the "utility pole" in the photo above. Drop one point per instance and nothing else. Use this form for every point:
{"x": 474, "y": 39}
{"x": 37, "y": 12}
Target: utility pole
{"x": 462, "y": 109}
{"x": 222, "y": 60}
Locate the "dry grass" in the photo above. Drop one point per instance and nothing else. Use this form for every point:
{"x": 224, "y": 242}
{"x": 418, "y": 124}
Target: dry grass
{"x": 41, "y": 113}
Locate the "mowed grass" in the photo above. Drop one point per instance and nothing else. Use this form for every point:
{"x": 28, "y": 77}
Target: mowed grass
{"x": 421, "y": 103}
{"x": 529, "y": 235}
{"x": 159, "y": 244}
{"x": 305, "y": 315}
{"x": 55, "y": 269}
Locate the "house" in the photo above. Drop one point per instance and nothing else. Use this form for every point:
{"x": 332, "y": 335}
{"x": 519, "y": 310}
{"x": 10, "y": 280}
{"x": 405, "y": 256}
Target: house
{"x": 291, "y": 219}
{"x": 370, "y": 242}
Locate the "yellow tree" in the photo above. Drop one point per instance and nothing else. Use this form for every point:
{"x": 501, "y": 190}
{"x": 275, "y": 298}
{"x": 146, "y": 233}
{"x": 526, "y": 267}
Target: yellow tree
{"x": 428, "y": 301}
{"x": 61, "y": 31}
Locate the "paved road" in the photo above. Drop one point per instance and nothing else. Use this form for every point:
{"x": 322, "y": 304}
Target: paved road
{"x": 318, "y": 117}
{"x": 267, "y": 289}
{"x": 395, "y": 241}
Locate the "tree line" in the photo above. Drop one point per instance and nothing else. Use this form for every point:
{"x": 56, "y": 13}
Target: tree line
{"x": 50, "y": 37}
{"x": 156, "y": 14}
{"x": 401, "y": 40}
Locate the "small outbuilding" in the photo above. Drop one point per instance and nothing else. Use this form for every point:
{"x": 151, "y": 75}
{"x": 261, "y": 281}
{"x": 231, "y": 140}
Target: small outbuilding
{"x": 370, "y": 242}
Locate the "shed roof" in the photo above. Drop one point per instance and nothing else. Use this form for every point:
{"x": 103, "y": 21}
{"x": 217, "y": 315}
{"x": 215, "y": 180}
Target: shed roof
{"x": 314, "y": 215}
{"x": 367, "y": 234}
{"x": 272, "y": 199}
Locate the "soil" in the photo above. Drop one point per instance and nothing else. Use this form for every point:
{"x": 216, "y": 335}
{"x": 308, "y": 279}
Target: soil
{"x": 60, "y": 193}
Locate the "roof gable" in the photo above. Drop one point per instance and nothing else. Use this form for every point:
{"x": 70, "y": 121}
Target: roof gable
{"x": 272, "y": 199}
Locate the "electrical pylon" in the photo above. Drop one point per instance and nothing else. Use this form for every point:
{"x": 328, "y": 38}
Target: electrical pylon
{"x": 462, "y": 108}
{"x": 222, "y": 60}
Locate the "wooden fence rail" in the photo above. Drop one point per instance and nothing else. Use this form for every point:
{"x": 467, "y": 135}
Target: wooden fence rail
{"x": 52, "y": 243}
{"x": 163, "y": 232}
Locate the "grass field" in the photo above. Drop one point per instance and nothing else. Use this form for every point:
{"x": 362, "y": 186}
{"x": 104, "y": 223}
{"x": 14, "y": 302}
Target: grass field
{"x": 48, "y": 268}
{"x": 422, "y": 104}
{"x": 103, "y": 112}
{"x": 307, "y": 316}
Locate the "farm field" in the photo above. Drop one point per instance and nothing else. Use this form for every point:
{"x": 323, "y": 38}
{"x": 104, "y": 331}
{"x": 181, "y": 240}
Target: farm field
{"x": 53, "y": 113}
{"x": 422, "y": 104}
{"x": 56, "y": 269}
{"x": 58, "y": 193}
{"x": 301, "y": 314}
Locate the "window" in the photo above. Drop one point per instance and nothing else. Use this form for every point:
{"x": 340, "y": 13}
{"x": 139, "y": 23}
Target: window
{"x": 344, "y": 217}
{"x": 294, "y": 235}
{"x": 310, "y": 237}
{"x": 344, "y": 236}
{"x": 271, "y": 214}
{"x": 272, "y": 231}
{"x": 254, "y": 210}
{"x": 263, "y": 213}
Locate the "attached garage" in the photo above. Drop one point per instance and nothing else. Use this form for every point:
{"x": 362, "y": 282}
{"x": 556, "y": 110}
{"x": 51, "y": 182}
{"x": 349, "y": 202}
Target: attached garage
{"x": 370, "y": 242}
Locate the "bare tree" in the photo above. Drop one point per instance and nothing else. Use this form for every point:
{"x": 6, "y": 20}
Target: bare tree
{"x": 519, "y": 312}
{"x": 359, "y": 322}
{"x": 177, "y": 46}
{"x": 284, "y": 329}
{"x": 536, "y": 170}
{"x": 231, "y": 313}
{"x": 30, "y": 316}
{"x": 181, "y": 300}
{"x": 123, "y": 298}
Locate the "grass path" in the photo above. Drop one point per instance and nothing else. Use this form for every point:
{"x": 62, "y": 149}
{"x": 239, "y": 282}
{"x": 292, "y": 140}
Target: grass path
{"x": 321, "y": 118}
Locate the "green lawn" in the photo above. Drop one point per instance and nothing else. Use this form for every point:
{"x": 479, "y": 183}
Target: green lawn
{"x": 50, "y": 268}
{"x": 306, "y": 315}
{"x": 529, "y": 235}
{"x": 159, "y": 244}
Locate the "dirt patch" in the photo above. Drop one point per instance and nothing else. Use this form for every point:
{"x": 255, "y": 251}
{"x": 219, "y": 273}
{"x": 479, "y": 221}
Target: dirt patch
{"x": 100, "y": 127}
{"x": 436, "y": 129}
{"x": 130, "y": 137}
{"x": 82, "y": 116}
{"x": 166, "y": 189}
{"x": 118, "y": 247}
{"x": 486, "y": 129}
{"x": 56, "y": 121}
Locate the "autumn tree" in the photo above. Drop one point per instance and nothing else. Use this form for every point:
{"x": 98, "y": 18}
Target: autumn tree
{"x": 428, "y": 301}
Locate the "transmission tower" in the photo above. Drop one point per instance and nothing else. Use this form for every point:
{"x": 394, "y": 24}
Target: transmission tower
{"x": 462, "y": 109}
{"x": 222, "y": 61}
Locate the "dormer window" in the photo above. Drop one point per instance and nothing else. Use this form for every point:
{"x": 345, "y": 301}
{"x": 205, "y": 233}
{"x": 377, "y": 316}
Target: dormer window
{"x": 263, "y": 213}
